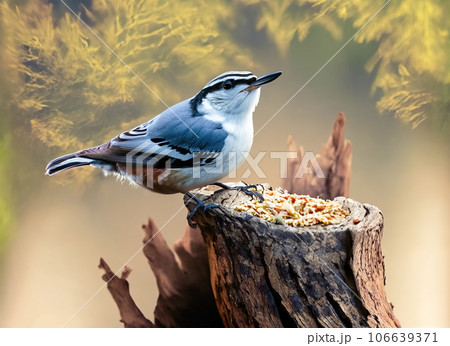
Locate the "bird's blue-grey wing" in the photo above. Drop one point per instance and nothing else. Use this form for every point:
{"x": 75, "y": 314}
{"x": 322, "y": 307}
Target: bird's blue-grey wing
{"x": 174, "y": 135}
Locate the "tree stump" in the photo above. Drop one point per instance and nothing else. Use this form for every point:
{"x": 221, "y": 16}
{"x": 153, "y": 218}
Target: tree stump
{"x": 269, "y": 275}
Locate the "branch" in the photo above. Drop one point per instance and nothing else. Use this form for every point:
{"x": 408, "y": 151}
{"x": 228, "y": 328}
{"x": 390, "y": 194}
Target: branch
{"x": 130, "y": 314}
{"x": 185, "y": 295}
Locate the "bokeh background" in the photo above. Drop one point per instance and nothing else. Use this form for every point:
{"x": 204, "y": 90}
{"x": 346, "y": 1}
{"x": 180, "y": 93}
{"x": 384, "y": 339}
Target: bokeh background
{"x": 62, "y": 90}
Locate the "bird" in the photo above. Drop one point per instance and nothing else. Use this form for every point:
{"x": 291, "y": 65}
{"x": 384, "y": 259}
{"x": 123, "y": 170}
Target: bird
{"x": 192, "y": 144}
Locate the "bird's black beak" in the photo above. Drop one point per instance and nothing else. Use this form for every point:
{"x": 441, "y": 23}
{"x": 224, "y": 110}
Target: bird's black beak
{"x": 263, "y": 80}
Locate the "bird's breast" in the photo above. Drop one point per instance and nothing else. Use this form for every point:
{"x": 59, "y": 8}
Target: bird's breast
{"x": 239, "y": 140}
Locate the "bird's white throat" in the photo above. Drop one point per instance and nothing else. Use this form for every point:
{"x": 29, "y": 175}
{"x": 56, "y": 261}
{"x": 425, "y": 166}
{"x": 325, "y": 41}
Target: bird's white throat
{"x": 238, "y": 105}
{"x": 238, "y": 121}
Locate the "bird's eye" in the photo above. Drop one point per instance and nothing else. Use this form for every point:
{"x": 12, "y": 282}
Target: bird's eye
{"x": 227, "y": 85}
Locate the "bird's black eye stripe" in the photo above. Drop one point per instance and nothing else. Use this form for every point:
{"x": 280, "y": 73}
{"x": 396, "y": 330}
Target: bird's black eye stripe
{"x": 234, "y": 82}
{"x": 197, "y": 99}
{"x": 242, "y": 75}
{"x": 228, "y": 84}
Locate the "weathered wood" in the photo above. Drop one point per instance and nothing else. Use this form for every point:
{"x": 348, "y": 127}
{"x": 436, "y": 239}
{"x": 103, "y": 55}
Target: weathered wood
{"x": 335, "y": 161}
{"x": 269, "y": 275}
{"x": 119, "y": 288}
{"x": 185, "y": 295}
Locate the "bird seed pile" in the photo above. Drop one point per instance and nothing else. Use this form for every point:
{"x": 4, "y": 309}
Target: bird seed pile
{"x": 293, "y": 210}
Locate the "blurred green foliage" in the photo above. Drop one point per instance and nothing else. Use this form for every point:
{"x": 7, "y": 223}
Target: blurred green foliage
{"x": 411, "y": 62}
{"x": 66, "y": 81}
{"x": 6, "y": 207}
{"x": 6, "y": 203}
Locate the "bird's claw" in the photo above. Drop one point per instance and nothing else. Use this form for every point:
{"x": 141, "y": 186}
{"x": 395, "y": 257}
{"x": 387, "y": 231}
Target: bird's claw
{"x": 249, "y": 190}
{"x": 200, "y": 205}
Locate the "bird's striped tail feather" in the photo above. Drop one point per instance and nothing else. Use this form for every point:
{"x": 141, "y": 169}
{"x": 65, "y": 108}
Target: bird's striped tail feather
{"x": 65, "y": 162}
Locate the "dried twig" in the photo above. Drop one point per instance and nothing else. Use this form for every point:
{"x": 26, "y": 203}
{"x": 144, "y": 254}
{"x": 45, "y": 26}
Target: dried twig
{"x": 130, "y": 314}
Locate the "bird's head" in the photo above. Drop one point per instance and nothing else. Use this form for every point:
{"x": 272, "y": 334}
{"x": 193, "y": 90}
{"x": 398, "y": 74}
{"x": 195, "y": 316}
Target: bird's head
{"x": 231, "y": 93}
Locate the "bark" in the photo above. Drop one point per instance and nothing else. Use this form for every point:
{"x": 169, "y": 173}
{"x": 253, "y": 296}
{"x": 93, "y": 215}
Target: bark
{"x": 130, "y": 314}
{"x": 185, "y": 295}
{"x": 269, "y": 275}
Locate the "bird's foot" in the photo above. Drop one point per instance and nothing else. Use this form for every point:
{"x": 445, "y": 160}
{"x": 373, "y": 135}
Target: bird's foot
{"x": 200, "y": 205}
{"x": 249, "y": 190}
